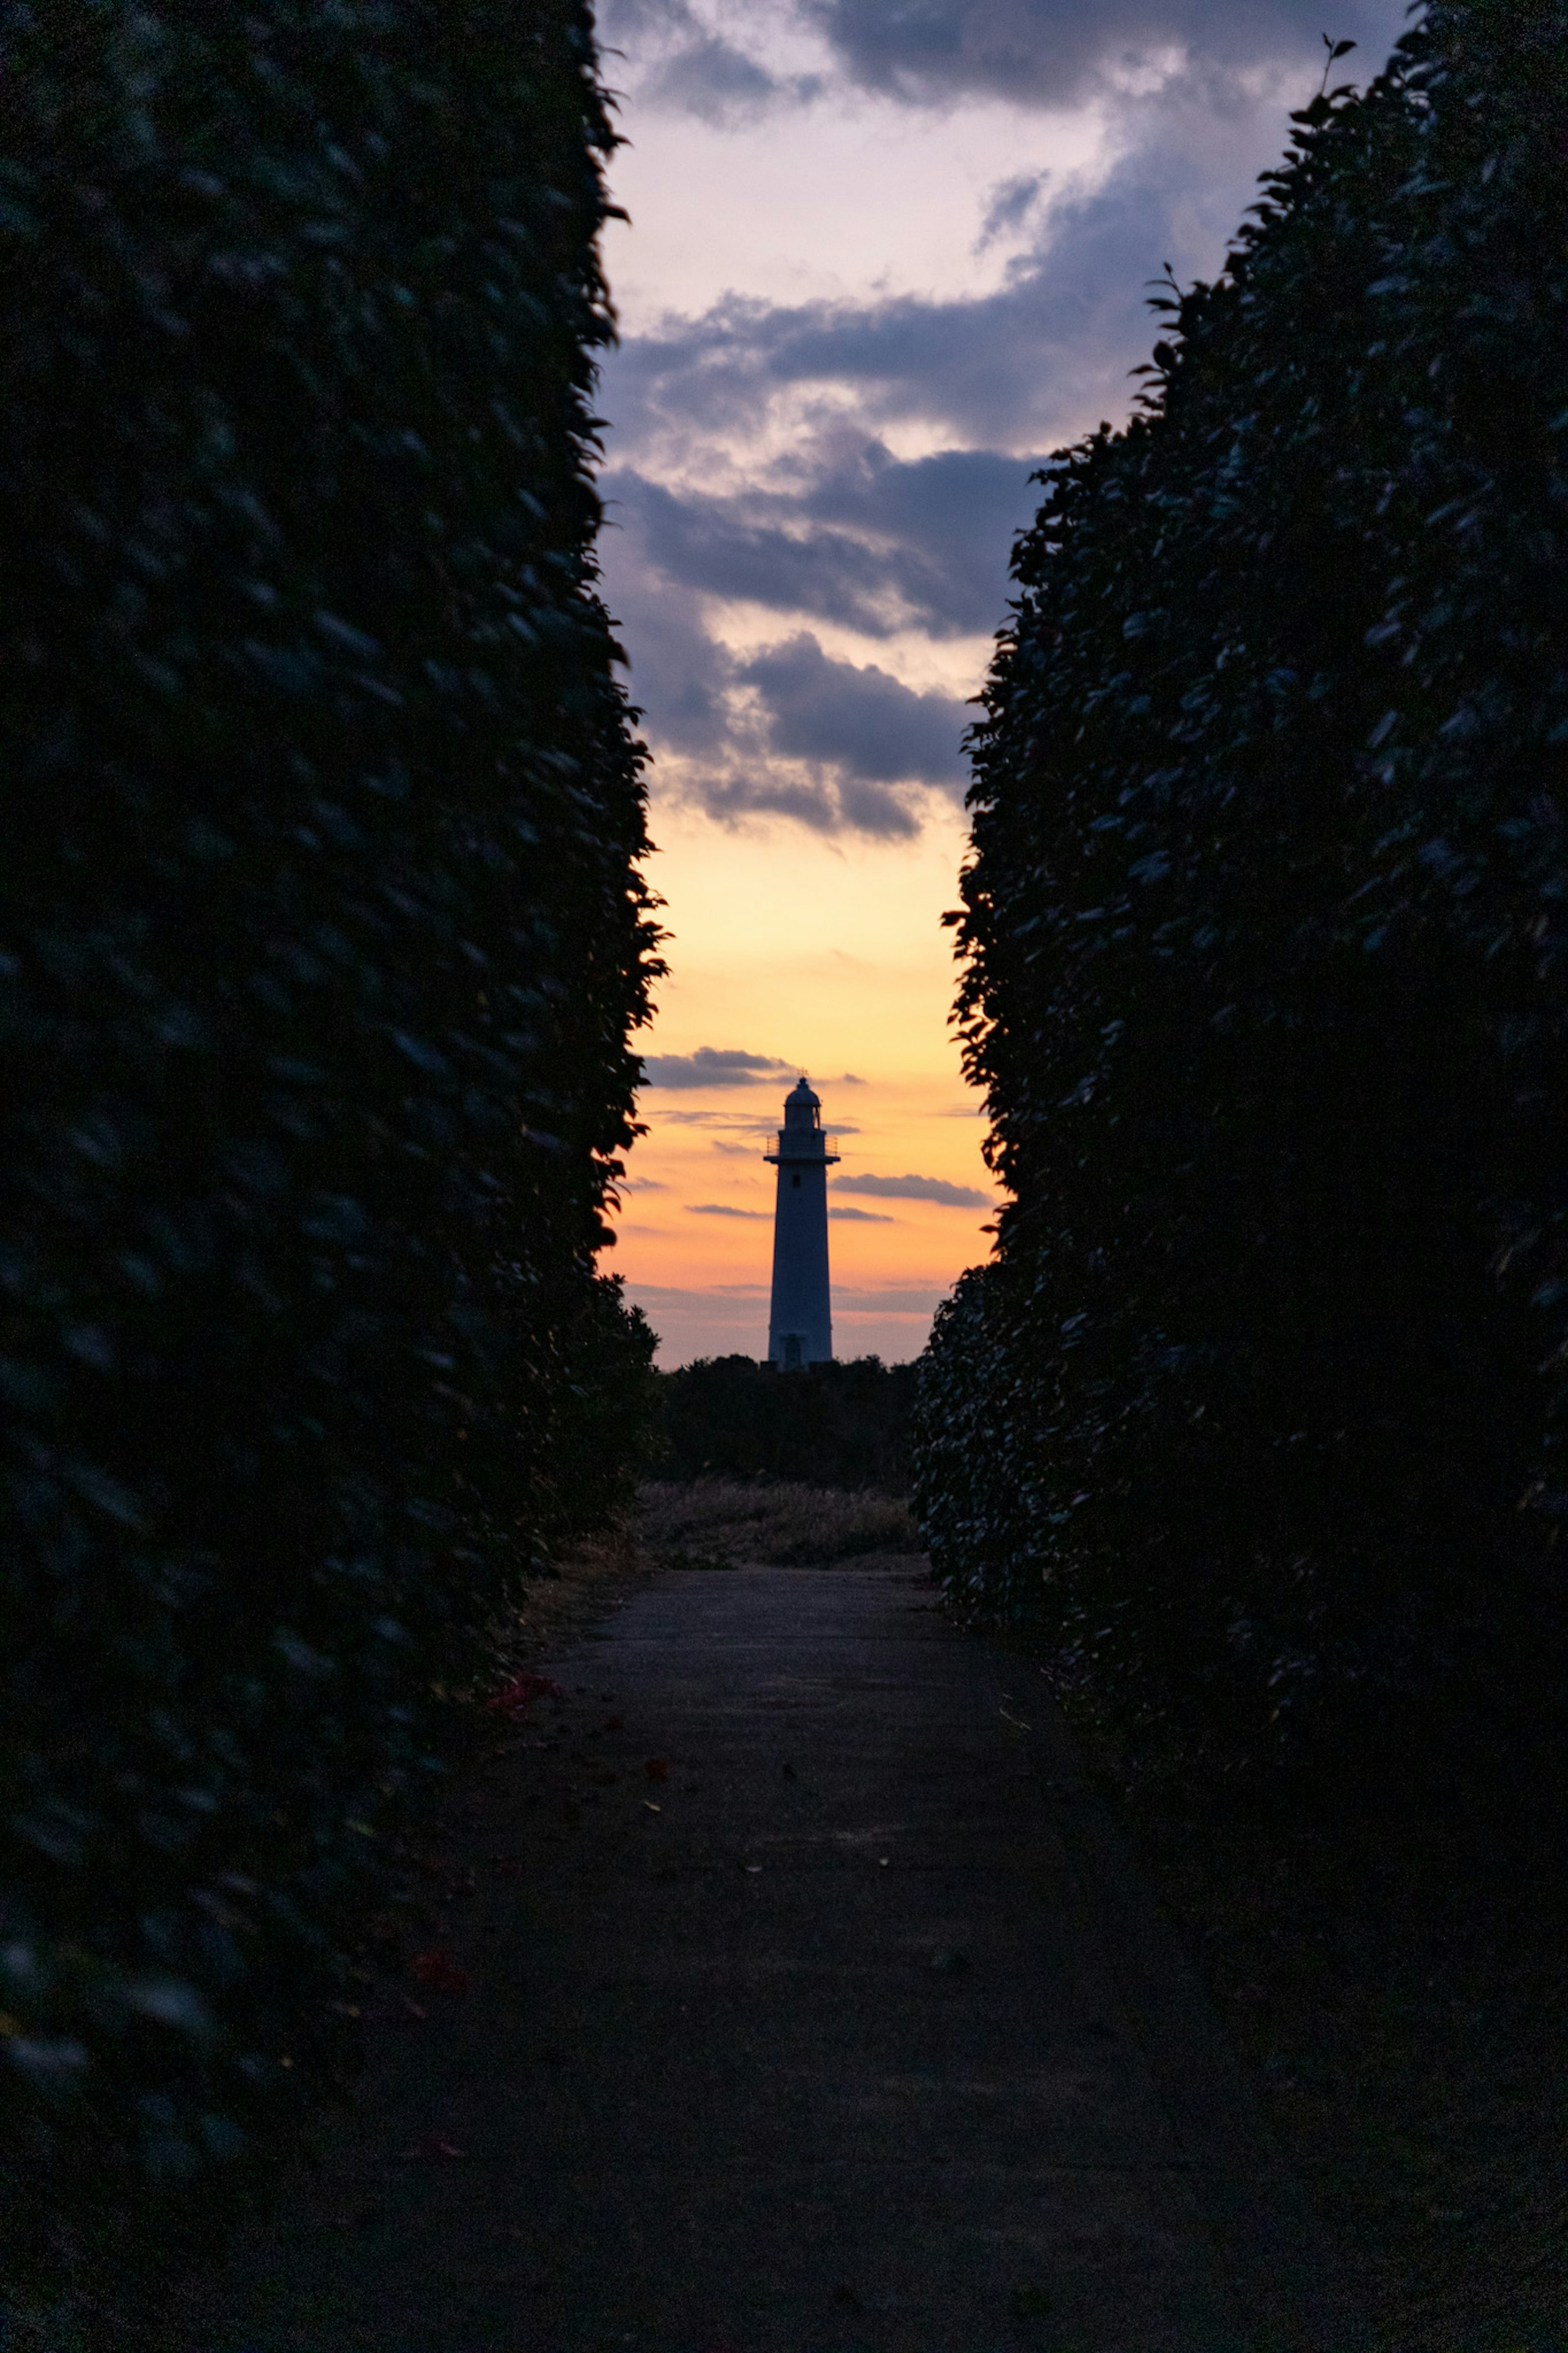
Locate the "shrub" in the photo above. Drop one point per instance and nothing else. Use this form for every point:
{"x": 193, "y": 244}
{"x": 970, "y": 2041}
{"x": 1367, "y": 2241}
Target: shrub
{"x": 833, "y": 1425}
{"x": 1264, "y": 937}
{"x": 322, "y": 942}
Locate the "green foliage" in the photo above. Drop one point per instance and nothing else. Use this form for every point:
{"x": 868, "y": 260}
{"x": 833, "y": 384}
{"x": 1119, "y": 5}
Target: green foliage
{"x": 1264, "y": 976}
{"x": 322, "y": 942}
{"x": 834, "y": 1425}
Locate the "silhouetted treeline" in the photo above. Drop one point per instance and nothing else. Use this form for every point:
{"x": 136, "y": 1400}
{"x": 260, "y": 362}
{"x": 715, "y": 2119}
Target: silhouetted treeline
{"x": 1258, "y": 1412}
{"x": 322, "y": 944}
{"x": 835, "y": 1425}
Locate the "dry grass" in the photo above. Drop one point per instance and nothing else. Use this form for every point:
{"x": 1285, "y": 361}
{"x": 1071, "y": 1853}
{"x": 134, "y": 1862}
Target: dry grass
{"x": 722, "y": 1522}
{"x": 594, "y": 1577}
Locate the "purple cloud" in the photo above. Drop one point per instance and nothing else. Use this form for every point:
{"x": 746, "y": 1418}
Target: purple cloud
{"x": 864, "y": 721}
{"x": 1050, "y": 52}
{"x": 916, "y": 1189}
{"x": 713, "y": 1066}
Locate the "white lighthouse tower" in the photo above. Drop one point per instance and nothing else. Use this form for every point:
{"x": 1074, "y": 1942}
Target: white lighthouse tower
{"x": 800, "y": 1329}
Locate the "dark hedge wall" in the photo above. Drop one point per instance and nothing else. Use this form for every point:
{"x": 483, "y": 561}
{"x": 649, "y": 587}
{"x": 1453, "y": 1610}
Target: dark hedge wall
{"x": 1263, "y": 939}
{"x": 322, "y": 944}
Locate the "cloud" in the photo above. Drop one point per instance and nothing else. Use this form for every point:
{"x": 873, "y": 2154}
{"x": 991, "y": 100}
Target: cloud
{"x": 1044, "y": 54}
{"x": 1012, "y": 202}
{"x": 790, "y": 730}
{"x": 1019, "y": 368}
{"x": 754, "y": 1125}
{"x": 1050, "y": 53}
{"x": 663, "y": 1294}
{"x": 916, "y": 1189}
{"x": 754, "y": 444}
{"x": 898, "y": 1302}
{"x": 1028, "y": 362}
{"x": 862, "y": 720}
{"x": 711, "y": 1066}
{"x": 681, "y": 62}
{"x": 826, "y": 803}
{"x": 838, "y": 531}
{"x": 793, "y": 730}
{"x": 863, "y": 1216}
{"x": 714, "y": 80}
{"x": 853, "y": 536}
{"x": 722, "y": 1209}
{"x": 741, "y": 1123}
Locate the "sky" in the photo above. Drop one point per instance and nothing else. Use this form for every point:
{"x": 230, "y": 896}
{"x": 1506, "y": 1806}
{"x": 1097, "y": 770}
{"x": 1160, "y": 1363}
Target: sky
{"x": 882, "y": 258}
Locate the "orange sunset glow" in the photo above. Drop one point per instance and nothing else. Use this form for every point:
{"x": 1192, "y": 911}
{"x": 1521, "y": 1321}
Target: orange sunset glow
{"x": 831, "y": 958}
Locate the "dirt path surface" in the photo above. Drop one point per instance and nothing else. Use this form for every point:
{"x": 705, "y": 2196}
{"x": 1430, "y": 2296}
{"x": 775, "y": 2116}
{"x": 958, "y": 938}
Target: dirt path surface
{"x": 812, "y": 2006}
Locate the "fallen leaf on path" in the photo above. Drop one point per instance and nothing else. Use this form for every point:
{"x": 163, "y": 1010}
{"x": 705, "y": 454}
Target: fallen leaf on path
{"x": 649, "y": 1808}
{"x": 439, "y": 1972}
{"x": 522, "y": 1690}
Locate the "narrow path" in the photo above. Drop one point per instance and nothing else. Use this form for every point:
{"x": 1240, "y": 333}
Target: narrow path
{"x": 867, "y": 2040}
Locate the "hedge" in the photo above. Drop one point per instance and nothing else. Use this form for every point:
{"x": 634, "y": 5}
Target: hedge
{"x": 1256, "y": 1414}
{"x": 323, "y": 943}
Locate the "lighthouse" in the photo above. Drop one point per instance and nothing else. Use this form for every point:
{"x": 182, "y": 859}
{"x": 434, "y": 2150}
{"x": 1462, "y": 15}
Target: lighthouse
{"x": 800, "y": 1329}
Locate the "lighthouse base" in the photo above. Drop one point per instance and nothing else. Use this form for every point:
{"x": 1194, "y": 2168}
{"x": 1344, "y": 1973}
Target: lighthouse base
{"x": 792, "y": 1351}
